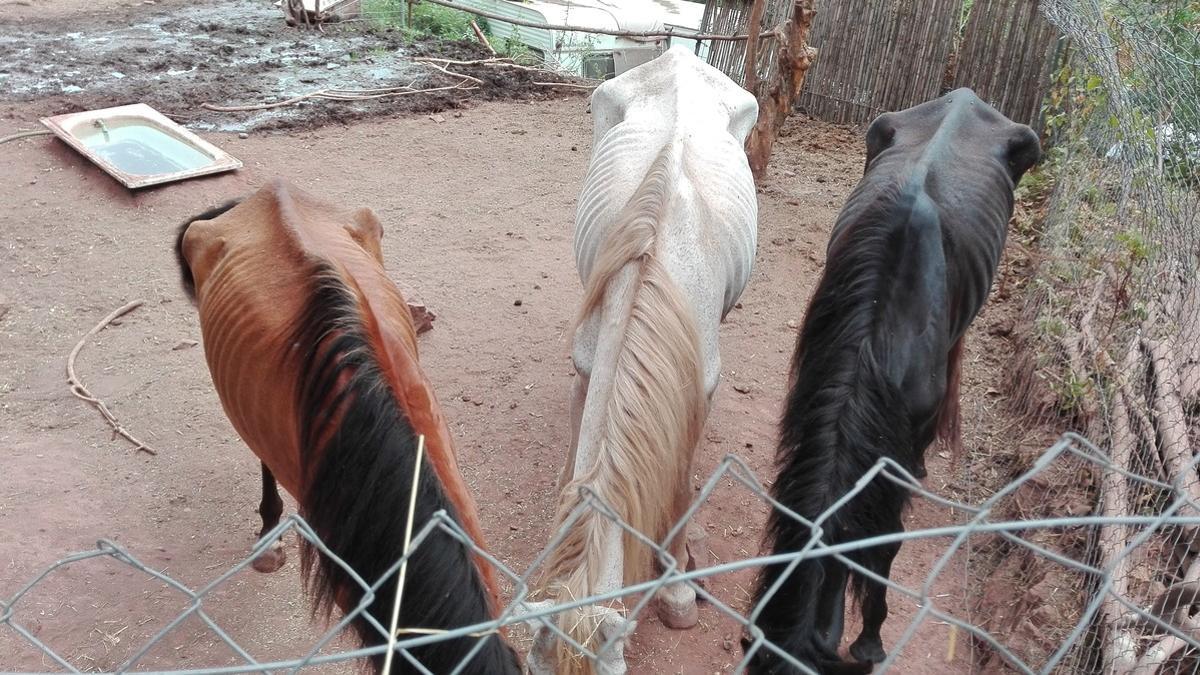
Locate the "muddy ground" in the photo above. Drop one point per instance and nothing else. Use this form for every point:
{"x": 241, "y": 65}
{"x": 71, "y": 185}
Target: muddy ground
{"x": 477, "y": 211}
{"x": 178, "y": 57}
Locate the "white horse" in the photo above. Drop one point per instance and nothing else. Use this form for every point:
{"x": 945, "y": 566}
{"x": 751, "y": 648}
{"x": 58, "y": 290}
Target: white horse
{"x": 665, "y": 236}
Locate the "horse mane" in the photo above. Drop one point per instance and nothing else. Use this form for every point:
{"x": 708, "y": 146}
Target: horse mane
{"x": 185, "y": 270}
{"x": 358, "y": 448}
{"x": 652, "y": 415}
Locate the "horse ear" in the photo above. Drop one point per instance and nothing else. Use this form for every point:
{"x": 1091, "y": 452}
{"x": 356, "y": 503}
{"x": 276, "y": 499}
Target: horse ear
{"x": 201, "y": 246}
{"x": 1022, "y": 151}
{"x": 181, "y": 256}
{"x": 367, "y": 231}
{"x": 880, "y": 136}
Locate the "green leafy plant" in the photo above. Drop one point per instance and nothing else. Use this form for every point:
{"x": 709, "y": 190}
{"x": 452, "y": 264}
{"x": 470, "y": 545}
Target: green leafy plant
{"x": 428, "y": 21}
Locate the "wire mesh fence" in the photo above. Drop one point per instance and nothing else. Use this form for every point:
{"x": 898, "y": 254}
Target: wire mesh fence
{"x": 1088, "y": 585}
{"x": 1114, "y": 313}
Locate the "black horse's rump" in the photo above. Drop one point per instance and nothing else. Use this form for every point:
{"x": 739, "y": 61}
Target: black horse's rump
{"x": 359, "y": 452}
{"x": 910, "y": 262}
{"x": 185, "y": 270}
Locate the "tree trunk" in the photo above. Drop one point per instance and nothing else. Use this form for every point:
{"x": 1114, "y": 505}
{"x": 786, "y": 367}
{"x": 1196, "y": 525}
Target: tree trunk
{"x": 750, "y": 77}
{"x": 776, "y": 103}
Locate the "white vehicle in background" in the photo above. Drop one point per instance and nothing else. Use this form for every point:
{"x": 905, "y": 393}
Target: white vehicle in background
{"x": 594, "y": 55}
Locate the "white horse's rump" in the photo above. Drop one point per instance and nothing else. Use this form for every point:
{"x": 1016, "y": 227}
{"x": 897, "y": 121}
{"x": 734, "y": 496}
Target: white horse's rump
{"x": 665, "y": 236}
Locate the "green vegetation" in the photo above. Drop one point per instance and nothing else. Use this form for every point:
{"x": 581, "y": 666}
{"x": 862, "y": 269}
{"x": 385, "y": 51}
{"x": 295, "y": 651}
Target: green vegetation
{"x": 429, "y": 21}
{"x": 443, "y": 23}
{"x": 1122, "y": 168}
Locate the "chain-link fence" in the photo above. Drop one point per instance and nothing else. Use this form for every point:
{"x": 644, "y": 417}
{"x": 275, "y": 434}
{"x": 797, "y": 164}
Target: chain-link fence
{"x": 1113, "y": 333}
{"x": 1086, "y": 585}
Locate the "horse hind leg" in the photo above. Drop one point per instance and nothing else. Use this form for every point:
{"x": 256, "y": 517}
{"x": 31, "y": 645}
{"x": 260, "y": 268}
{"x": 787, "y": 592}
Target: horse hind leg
{"x": 271, "y": 509}
{"x": 677, "y": 601}
{"x": 869, "y": 645}
{"x": 831, "y": 606}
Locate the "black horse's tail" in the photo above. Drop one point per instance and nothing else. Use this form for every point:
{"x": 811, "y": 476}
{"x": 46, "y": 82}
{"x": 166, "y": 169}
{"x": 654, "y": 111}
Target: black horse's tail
{"x": 823, "y": 456}
{"x": 841, "y": 416}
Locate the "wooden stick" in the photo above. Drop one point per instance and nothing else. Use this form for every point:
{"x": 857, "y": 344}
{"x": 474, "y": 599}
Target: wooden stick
{"x": 1177, "y": 455}
{"x": 1120, "y": 648}
{"x": 1189, "y": 333}
{"x": 1162, "y": 651}
{"x": 25, "y": 134}
{"x": 566, "y": 84}
{"x": 333, "y": 95}
{"x": 601, "y": 31}
{"x": 408, "y": 528}
{"x": 81, "y": 392}
{"x": 451, "y": 73}
{"x": 481, "y": 37}
{"x": 491, "y": 63}
{"x": 261, "y": 106}
{"x": 1189, "y": 384}
{"x": 476, "y": 62}
{"x": 750, "y": 81}
{"x": 1144, "y": 427}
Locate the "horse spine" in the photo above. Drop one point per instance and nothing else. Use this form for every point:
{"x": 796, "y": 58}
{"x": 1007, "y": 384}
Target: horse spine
{"x": 651, "y": 412}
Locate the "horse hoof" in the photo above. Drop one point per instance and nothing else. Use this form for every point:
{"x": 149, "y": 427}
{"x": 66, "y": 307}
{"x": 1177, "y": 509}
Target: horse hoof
{"x": 679, "y": 619}
{"x": 270, "y": 560}
{"x": 868, "y": 651}
{"x": 677, "y": 607}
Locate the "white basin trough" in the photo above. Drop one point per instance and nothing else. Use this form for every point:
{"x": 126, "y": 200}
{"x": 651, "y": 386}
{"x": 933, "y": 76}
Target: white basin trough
{"x": 139, "y": 146}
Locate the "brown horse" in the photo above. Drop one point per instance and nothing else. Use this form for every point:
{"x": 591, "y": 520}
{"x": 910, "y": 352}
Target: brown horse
{"x": 313, "y": 353}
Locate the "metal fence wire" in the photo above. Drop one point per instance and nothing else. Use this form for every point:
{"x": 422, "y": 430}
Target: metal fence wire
{"x": 1113, "y": 318}
{"x": 1088, "y": 588}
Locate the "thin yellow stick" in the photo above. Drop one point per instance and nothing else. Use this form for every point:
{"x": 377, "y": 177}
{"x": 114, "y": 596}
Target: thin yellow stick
{"x": 408, "y": 527}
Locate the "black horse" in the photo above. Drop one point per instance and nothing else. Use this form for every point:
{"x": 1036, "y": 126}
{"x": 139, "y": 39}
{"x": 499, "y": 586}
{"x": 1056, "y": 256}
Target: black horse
{"x": 875, "y": 372}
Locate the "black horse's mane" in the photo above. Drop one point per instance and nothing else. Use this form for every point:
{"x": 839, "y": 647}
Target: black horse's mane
{"x": 841, "y": 413}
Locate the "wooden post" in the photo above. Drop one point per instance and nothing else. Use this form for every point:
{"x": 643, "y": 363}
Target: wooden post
{"x": 776, "y": 103}
{"x": 481, "y": 37}
{"x": 750, "y": 79}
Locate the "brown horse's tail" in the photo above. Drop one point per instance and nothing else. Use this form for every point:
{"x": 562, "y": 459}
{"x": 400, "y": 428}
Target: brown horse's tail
{"x": 359, "y": 450}
{"x": 650, "y": 416}
{"x": 949, "y": 419}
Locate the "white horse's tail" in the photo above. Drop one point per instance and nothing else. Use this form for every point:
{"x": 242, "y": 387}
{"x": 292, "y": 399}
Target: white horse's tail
{"x": 650, "y": 416}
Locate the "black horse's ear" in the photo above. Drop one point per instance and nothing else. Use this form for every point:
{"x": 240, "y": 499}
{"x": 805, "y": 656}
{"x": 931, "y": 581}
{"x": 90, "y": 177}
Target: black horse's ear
{"x": 880, "y": 136}
{"x": 1022, "y": 151}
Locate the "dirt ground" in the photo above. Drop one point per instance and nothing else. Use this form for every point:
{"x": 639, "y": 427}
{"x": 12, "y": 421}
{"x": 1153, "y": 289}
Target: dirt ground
{"x": 477, "y": 211}
{"x": 177, "y": 57}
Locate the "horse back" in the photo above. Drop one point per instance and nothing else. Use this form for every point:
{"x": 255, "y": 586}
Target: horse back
{"x": 966, "y": 157}
{"x": 680, "y": 110}
{"x": 917, "y": 244}
{"x": 253, "y": 267}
